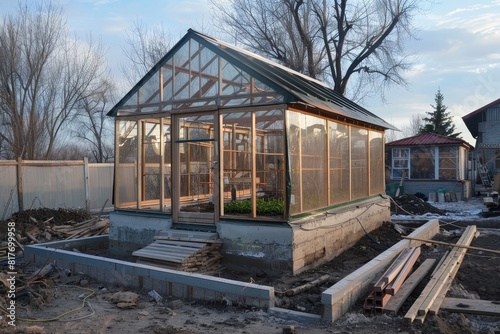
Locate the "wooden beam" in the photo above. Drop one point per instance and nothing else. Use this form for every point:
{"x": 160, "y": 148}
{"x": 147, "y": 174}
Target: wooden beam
{"x": 394, "y": 286}
{"x": 453, "y": 245}
{"x": 408, "y": 286}
{"x": 393, "y": 270}
{"x": 421, "y": 306}
{"x": 472, "y": 306}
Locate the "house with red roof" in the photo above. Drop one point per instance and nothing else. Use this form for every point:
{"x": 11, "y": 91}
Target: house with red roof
{"x": 430, "y": 163}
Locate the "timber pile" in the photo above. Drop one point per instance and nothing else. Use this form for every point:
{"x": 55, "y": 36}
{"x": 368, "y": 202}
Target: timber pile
{"x": 43, "y": 225}
{"x": 191, "y": 255}
{"x": 86, "y": 228}
{"x": 391, "y": 281}
{"x": 433, "y": 295}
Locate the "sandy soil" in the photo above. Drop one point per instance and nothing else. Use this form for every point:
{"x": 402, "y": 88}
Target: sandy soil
{"x": 477, "y": 278}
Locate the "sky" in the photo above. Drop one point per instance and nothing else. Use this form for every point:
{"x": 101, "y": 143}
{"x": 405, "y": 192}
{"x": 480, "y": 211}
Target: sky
{"x": 458, "y": 49}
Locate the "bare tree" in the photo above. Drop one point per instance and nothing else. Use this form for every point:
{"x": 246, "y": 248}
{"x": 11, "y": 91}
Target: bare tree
{"x": 93, "y": 126}
{"x": 43, "y": 75}
{"x": 144, "y": 47}
{"x": 413, "y": 128}
{"x": 355, "y": 45}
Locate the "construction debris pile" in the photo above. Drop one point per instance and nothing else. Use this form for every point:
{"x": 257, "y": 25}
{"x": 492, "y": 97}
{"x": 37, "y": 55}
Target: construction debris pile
{"x": 395, "y": 285}
{"x": 413, "y": 205}
{"x": 42, "y": 225}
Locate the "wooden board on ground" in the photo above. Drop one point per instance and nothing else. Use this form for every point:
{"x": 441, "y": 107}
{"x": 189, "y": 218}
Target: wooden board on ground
{"x": 434, "y": 288}
{"x": 472, "y": 306}
{"x": 408, "y": 286}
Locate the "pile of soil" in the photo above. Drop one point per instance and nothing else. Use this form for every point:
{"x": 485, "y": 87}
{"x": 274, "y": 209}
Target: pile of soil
{"x": 413, "y": 205}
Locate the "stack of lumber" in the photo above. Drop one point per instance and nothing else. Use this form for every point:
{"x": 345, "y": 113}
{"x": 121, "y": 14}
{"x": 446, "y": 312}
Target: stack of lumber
{"x": 87, "y": 228}
{"x": 41, "y": 231}
{"x": 391, "y": 281}
{"x": 191, "y": 255}
{"x": 433, "y": 295}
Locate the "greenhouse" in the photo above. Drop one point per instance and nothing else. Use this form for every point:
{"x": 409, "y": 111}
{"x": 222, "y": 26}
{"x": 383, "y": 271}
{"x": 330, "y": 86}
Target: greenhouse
{"x": 215, "y": 135}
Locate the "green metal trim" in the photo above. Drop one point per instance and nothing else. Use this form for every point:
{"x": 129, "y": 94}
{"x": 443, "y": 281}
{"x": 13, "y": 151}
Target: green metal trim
{"x": 325, "y": 209}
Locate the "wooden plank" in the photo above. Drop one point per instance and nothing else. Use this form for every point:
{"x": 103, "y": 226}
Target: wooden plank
{"x": 393, "y": 270}
{"x": 179, "y": 243}
{"x": 394, "y": 286}
{"x": 472, "y": 306}
{"x": 418, "y": 307}
{"x": 162, "y": 258}
{"x": 173, "y": 247}
{"x": 453, "y": 245}
{"x": 450, "y": 272}
{"x": 440, "y": 298}
{"x": 161, "y": 250}
{"x": 207, "y": 241}
{"x": 408, "y": 286}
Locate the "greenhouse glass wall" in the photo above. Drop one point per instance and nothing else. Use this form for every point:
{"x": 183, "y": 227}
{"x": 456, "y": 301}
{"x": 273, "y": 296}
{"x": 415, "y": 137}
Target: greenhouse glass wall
{"x": 214, "y": 131}
{"x": 284, "y": 171}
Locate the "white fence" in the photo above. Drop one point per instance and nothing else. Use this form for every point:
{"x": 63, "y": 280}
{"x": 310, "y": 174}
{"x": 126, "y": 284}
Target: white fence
{"x": 77, "y": 184}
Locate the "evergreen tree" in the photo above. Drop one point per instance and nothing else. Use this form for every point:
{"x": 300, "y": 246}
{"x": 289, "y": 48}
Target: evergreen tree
{"x": 439, "y": 121}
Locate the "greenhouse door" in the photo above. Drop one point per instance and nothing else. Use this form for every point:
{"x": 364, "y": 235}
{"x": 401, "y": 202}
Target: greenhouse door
{"x": 195, "y": 169}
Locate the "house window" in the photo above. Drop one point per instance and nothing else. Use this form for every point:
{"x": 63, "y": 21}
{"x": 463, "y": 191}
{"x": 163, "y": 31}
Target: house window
{"x": 448, "y": 163}
{"x": 422, "y": 163}
{"x": 400, "y": 162}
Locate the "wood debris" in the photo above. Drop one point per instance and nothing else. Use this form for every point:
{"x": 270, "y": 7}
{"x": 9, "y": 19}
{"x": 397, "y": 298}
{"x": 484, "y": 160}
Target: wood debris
{"x": 43, "y": 225}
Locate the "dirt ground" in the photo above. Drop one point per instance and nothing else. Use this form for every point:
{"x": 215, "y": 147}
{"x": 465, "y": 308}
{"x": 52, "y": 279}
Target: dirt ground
{"x": 51, "y": 298}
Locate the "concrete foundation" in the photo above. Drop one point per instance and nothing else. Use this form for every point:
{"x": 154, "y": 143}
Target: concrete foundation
{"x": 275, "y": 248}
{"x": 336, "y": 301}
{"x": 129, "y": 231}
{"x": 172, "y": 283}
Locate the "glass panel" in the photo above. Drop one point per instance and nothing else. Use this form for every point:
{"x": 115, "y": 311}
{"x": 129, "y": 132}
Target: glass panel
{"x": 422, "y": 165}
{"x": 210, "y": 71}
{"x": 313, "y": 141}
{"x": 376, "y": 163}
{"x": 150, "y": 90}
{"x": 307, "y": 146}
{"x": 237, "y": 159}
{"x": 126, "y": 164}
{"x": 151, "y": 176}
{"x": 167, "y": 158}
{"x": 448, "y": 163}
{"x": 270, "y": 163}
{"x": 196, "y": 152}
{"x": 167, "y": 80}
{"x": 339, "y": 163}
{"x": 359, "y": 163}
{"x": 294, "y": 150}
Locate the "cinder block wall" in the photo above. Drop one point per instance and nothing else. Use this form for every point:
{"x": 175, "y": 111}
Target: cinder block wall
{"x": 278, "y": 248}
{"x": 318, "y": 241}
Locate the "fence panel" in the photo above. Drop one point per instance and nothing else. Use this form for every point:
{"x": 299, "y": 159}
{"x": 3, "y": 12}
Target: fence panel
{"x": 100, "y": 186}
{"x": 54, "y": 184}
